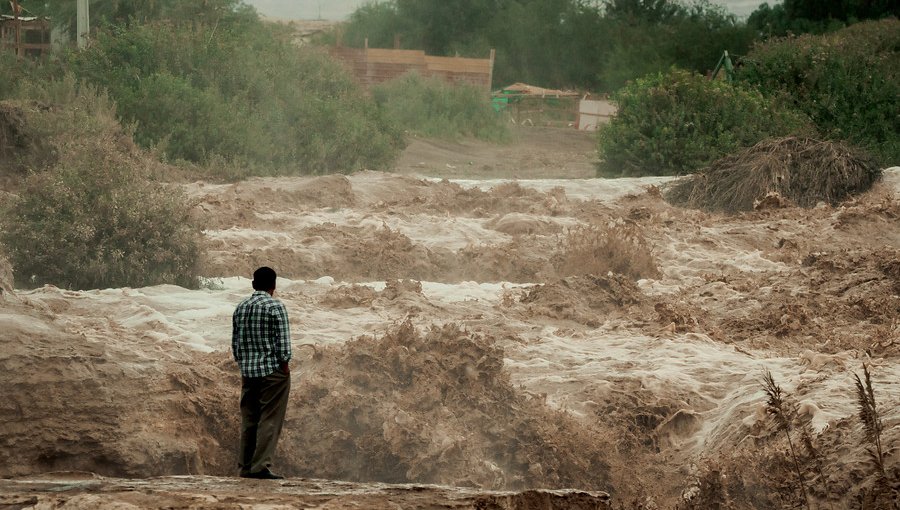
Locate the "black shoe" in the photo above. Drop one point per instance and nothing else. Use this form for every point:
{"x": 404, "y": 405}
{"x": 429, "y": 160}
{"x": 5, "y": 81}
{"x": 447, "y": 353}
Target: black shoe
{"x": 265, "y": 474}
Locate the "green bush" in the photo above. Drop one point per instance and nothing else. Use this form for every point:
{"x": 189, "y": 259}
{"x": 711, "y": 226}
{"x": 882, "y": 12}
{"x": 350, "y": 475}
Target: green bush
{"x": 47, "y": 116}
{"x": 434, "y": 108}
{"x": 239, "y": 92}
{"x": 847, "y": 82}
{"x": 678, "y": 122}
{"x": 93, "y": 221}
{"x": 557, "y": 43}
{"x": 87, "y": 216}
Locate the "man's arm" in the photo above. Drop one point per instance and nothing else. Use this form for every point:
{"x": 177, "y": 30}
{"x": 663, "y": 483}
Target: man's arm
{"x": 235, "y": 337}
{"x": 282, "y": 331}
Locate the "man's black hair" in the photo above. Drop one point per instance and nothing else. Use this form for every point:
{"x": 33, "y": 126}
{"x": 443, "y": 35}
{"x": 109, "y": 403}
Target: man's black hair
{"x": 264, "y": 279}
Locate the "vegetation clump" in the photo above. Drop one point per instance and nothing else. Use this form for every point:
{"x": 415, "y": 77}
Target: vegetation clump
{"x": 92, "y": 221}
{"x": 88, "y": 215}
{"x": 240, "y": 93}
{"x": 678, "y": 122}
{"x": 555, "y": 43}
{"x": 804, "y": 171}
{"x": 431, "y": 107}
{"x": 847, "y": 82}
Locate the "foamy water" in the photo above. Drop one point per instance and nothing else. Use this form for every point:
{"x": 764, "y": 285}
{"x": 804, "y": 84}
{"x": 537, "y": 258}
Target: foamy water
{"x": 579, "y": 369}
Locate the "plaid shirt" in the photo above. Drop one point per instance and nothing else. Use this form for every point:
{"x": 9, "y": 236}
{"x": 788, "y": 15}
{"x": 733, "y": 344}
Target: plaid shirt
{"x": 261, "y": 335}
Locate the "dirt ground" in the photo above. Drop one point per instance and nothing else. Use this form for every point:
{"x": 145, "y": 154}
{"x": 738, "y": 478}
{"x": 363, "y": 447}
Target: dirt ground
{"x": 475, "y": 332}
{"x": 84, "y": 491}
{"x": 533, "y": 153}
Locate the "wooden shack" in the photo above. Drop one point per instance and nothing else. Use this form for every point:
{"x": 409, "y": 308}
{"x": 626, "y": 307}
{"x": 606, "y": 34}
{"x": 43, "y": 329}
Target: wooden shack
{"x": 34, "y": 35}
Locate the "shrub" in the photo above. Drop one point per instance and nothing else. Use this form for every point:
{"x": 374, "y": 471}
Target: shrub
{"x": 87, "y": 216}
{"x": 598, "y": 250}
{"x": 678, "y": 122}
{"x": 52, "y": 115}
{"x": 93, "y": 221}
{"x": 240, "y": 92}
{"x": 847, "y": 82}
{"x": 434, "y": 108}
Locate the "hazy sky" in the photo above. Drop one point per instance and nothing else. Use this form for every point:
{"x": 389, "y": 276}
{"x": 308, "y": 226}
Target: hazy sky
{"x": 339, "y": 9}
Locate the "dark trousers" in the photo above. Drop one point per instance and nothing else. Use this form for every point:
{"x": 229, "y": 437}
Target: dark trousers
{"x": 263, "y": 404}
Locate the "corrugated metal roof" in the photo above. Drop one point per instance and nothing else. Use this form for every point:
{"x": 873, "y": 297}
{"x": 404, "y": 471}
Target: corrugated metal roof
{"x": 4, "y": 17}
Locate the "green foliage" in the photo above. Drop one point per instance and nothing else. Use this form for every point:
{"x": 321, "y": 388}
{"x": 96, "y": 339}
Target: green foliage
{"x": 689, "y": 38}
{"x": 14, "y": 73}
{"x": 559, "y": 43}
{"x": 817, "y": 16}
{"x": 93, "y": 222}
{"x": 51, "y": 115}
{"x": 431, "y": 107}
{"x": 121, "y": 12}
{"x": 847, "y": 82}
{"x": 678, "y": 122}
{"x": 376, "y": 21}
{"x": 239, "y": 92}
{"x": 87, "y": 216}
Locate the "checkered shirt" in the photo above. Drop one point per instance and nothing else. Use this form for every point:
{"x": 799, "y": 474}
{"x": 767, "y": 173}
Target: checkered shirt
{"x": 261, "y": 335}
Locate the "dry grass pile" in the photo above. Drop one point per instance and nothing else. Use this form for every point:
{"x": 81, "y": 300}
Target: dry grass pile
{"x": 619, "y": 248}
{"x": 803, "y": 171}
{"x": 436, "y": 407}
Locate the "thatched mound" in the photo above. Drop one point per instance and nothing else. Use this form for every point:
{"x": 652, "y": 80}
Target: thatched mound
{"x": 803, "y": 171}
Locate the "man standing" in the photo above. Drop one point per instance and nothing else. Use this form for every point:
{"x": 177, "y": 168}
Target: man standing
{"x": 261, "y": 343}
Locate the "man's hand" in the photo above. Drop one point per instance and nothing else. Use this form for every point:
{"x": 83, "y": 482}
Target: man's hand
{"x": 285, "y": 368}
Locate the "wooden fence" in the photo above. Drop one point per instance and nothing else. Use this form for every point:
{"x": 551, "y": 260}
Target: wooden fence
{"x": 372, "y": 66}
{"x": 33, "y": 39}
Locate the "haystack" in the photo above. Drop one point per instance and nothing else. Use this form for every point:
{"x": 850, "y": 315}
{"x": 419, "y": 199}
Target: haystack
{"x": 803, "y": 171}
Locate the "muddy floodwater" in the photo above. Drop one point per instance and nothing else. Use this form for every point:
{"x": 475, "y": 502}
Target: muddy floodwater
{"x": 439, "y": 339}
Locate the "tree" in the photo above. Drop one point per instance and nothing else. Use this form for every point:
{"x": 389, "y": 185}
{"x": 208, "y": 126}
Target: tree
{"x": 817, "y": 16}
{"x": 118, "y": 12}
{"x": 648, "y": 11}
